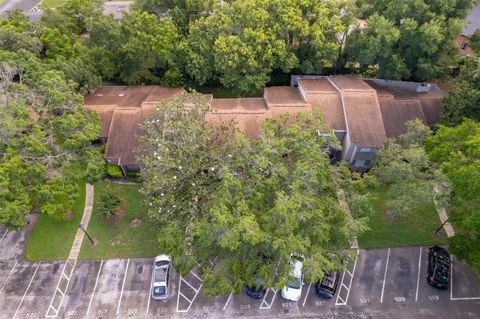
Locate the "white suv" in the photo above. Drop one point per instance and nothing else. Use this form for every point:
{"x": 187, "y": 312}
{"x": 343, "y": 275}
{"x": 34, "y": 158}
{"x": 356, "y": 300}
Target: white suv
{"x": 293, "y": 290}
{"x": 161, "y": 277}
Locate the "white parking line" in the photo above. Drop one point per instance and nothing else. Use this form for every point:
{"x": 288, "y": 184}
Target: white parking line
{"x": 58, "y": 290}
{"x": 451, "y": 279}
{"x": 8, "y": 277}
{"x": 5, "y": 234}
{"x": 123, "y": 286}
{"x": 196, "y": 276}
{"x": 94, "y": 287}
{"x": 418, "y": 275}
{"x": 228, "y": 300}
{"x": 194, "y": 289}
{"x": 308, "y": 290}
{"x": 26, "y": 290}
{"x": 385, "y": 275}
{"x": 451, "y": 287}
{"x": 197, "y": 291}
{"x": 149, "y": 296}
{"x": 268, "y": 306}
{"x": 348, "y": 288}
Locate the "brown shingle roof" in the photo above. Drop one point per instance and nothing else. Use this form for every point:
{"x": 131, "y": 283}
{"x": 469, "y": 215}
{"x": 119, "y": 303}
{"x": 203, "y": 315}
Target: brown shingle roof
{"x": 122, "y": 140}
{"x": 249, "y": 123}
{"x": 322, "y": 95}
{"x": 106, "y": 113}
{"x": 364, "y": 118}
{"x": 350, "y": 83}
{"x": 396, "y": 113}
{"x": 280, "y": 96}
{"x": 430, "y": 101}
{"x": 122, "y": 109}
{"x": 242, "y": 105}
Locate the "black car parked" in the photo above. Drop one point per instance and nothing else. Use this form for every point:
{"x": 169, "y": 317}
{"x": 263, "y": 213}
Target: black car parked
{"x": 257, "y": 290}
{"x": 326, "y": 287}
{"x": 438, "y": 273}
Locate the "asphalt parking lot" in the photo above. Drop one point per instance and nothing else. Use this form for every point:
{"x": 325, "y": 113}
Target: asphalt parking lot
{"x": 383, "y": 283}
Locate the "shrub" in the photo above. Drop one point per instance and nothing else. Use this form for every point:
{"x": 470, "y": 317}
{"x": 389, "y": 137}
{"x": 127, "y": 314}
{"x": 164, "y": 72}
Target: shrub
{"x": 114, "y": 171}
{"x": 110, "y": 202}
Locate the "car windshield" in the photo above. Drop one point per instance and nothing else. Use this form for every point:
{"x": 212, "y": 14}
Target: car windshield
{"x": 160, "y": 263}
{"x": 159, "y": 290}
{"x": 259, "y": 283}
{"x": 329, "y": 280}
{"x": 295, "y": 283}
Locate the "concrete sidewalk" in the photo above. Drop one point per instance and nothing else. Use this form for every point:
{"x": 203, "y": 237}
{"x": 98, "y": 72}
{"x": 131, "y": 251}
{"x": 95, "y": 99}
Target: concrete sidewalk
{"x": 87, "y": 212}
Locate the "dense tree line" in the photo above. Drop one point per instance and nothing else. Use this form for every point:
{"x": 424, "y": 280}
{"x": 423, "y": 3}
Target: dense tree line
{"x": 240, "y": 44}
{"x": 45, "y": 131}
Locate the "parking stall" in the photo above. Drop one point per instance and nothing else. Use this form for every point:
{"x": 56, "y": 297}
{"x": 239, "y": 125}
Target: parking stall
{"x": 402, "y": 277}
{"x": 105, "y": 298}
{"x": 368, "y": 279}
{"x": 135, "y": 297}
{"x": 16, "y": 288}
{"x": 80, "y": 293}
{"x": 382, "y": 281}
{"x": 465, "y": 284}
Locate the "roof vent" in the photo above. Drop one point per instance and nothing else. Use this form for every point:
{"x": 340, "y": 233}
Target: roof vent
{"x": 424, "y": 87}
{"x": 98, "y": 94}
{"x": 121, "y": 94}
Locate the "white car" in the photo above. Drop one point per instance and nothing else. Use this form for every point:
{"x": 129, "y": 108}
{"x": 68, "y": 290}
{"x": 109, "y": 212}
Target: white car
{"x": 293, "y": 290}
{"x": 161, "y": 277}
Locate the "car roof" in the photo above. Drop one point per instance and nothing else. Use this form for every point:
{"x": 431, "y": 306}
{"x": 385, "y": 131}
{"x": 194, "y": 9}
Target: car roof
{"x": 297, "y": 268}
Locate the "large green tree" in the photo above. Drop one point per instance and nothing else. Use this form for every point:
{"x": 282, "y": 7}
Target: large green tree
{"x": 243, "y": 43}
{"x": 457, "y": 150}
{"x": 405, "y": 170}
{"x": 135, "y": 49}
{"x": 183, "y": 12}
{"x": 408, "y": 39}
{"x": 237, "y": 207}
{"x": 45, "y": 134}
{"x": 463, "y": 101}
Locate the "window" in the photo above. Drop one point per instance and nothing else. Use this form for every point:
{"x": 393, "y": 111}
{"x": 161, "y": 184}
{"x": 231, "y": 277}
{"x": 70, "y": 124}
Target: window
{"x": 361, "y": 163}
{"x": 365, "y": 149}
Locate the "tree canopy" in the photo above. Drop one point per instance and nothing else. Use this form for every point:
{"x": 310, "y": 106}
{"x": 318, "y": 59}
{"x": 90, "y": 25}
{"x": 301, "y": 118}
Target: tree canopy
{"x": 45, "y": 134}
{"x": 238, "y": 207}
{"x": 412, "y": 179}
{"x": 456, "y": 150}
{"x": 463, "y": 101}
{"x": 240, "y": 44}
{"x": 412, "y": 39}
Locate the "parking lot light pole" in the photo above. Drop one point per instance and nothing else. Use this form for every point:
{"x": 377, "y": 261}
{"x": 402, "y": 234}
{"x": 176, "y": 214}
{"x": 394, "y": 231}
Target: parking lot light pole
{"x": 443, "y": 224}
{"x": 90, "y": 238}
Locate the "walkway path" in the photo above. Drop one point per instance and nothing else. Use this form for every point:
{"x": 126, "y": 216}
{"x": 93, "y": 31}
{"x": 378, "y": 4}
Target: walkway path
{"x": 69, "y": 266}
{"x": 344, "y": 205}
{"x": 87, "y": 212}
{"x": 446, "y": 225}
{"x": 442, "y": 213}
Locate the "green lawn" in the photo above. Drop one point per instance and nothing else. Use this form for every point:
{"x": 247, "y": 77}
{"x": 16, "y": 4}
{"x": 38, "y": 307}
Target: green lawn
{"x": 123, "y": 240}
{"x": 52, "y": 3}
{"x": 53, "y": 240}
{"x": 412, "y": 230}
